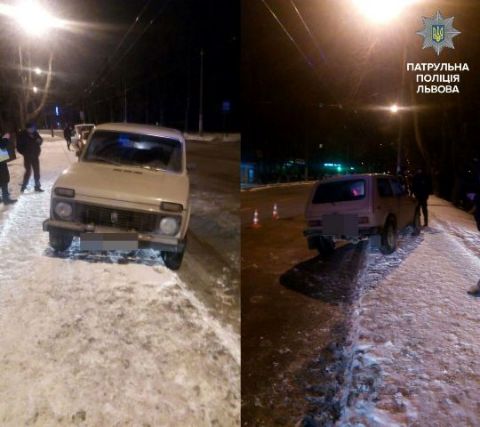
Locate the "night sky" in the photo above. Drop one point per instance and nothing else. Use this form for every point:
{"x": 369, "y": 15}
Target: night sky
{"x": 325, "y": 87}
{"x": 158, "y": 62}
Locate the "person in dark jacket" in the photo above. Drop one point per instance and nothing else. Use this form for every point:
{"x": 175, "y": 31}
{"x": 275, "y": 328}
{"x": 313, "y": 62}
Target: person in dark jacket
{"x": 28, "y": 145}
{"x": 421, "y": 189}
{"x": 4, "y": 174}
{"x": 67, "y": 134}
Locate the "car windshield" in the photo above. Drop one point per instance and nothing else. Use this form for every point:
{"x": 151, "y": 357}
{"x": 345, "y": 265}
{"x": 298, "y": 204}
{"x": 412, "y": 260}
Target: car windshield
{"x": 131, "y": 149}
{"x": 340, "y": 191}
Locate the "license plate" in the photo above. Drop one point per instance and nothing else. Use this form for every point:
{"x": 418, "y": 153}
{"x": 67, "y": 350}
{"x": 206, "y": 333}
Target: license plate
{"x": 340, "y": 225}
{"x": 108, "y": 241}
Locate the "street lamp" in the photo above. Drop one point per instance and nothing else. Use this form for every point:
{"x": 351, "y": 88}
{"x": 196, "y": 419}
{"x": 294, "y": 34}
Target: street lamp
{"x": 33, "y": 18}
{"x": 381, "y": 11}
{"x": 394, "y": 108}
{"x": 38, "y": 71}
{"x": 35, "y": 89}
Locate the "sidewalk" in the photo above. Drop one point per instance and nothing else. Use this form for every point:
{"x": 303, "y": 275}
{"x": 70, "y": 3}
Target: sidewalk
{"x": 416, "y": 332}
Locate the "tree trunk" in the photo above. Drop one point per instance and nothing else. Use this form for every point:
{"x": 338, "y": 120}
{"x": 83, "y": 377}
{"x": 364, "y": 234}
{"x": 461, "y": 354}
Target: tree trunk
{"x": 34, "y": 114}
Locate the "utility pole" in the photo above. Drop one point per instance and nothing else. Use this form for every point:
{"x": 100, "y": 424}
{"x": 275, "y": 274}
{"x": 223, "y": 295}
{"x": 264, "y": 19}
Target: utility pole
{"x": 200, "y": 108}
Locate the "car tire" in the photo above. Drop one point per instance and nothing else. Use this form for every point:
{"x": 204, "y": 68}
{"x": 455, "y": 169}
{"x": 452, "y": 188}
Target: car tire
{"x": 59, "y": 240}
{"x": 389, "y": 237}
{"x": 173, "y": 260}
{"x": 325, "y": 246}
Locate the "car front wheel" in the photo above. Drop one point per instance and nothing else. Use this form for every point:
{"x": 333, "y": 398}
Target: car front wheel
{"x": 389, "y": 238}
{"x": 173, "y": 260}
{"x": 59, "y": 240}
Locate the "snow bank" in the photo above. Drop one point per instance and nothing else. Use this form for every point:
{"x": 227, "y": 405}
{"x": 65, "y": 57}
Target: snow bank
{"x": 259, "y": 187}
{"x": 213, "y": 137}
{"x": 416, "y": 335}
{"x": 103, "y": 339}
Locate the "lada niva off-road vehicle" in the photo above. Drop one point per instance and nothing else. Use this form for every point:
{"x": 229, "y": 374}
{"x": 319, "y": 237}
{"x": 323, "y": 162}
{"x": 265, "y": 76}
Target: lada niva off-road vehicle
{"x": 129, "y": 190}
{"x": 353, "y": 207}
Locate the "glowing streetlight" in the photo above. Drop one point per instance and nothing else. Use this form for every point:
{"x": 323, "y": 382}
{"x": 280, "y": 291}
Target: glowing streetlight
{"x": 38, "y": 71}
{"x": 394, "y": 108}
{"x": 381, "y": 11}
{"x": 34, "y": 19}
{"x": 35, "y": 89}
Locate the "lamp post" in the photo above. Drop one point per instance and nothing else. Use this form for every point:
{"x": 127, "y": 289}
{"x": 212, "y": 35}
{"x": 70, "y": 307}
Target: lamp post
{"x": 394, "y": 109}
{"x": 35, "y": 21}
{"x": 382, "y": 12}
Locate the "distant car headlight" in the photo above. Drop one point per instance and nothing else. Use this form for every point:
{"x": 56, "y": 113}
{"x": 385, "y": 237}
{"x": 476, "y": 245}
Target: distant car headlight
{"x": 63, "y": 210}
{"x": 169, "y": 226}
{"x": 65, "y": 192}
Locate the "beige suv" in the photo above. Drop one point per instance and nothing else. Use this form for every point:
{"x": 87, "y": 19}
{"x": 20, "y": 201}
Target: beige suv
{"x": 129, "y": 190}
{"x": 353, "y": 207}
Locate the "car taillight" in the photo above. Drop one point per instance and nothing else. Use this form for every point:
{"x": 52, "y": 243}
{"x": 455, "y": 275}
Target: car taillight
{"x": 363, "y": 220}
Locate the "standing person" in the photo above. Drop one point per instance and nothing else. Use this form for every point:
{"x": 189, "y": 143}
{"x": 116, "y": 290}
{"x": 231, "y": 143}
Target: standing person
{"x": 421, "y": 189}
{"x": 4, "y": 174}
{"x": 67, "y": 134}
{"x": 28, "y": 145}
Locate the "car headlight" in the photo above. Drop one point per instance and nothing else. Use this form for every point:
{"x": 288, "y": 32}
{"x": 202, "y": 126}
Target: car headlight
{"x": 169, "y": 226}
{"x": 63, "y": 210}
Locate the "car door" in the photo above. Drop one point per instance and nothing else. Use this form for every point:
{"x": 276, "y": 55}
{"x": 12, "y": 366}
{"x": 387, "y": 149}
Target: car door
{"x": 403, "y": 204}
{"x": 386, "y": 203}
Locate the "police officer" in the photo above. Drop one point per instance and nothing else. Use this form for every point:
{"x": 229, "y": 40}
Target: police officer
{"x": 28, "y": 145}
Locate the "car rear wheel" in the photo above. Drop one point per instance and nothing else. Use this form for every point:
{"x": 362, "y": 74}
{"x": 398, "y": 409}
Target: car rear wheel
{"x": 389, "y": 238}
{"x": 59, "y": 240}
{"x": 325, "y": 246}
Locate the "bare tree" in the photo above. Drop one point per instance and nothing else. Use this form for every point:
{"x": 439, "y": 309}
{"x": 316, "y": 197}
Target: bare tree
{"x": 29, "y": 110}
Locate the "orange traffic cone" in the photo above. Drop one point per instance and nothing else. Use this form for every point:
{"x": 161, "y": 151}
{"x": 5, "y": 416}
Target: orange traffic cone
{"x": 275, "y": 212}
{"x": 256, "y": 221}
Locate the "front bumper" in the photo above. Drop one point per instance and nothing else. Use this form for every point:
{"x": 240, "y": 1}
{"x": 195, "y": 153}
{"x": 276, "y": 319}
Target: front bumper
{"x": 145, "y": 240}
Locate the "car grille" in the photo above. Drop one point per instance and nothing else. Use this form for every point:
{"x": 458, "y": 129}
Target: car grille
{"x": 98, "y": 215}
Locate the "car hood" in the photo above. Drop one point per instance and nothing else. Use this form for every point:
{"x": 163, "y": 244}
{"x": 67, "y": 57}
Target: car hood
{"x": 125, "y": 183}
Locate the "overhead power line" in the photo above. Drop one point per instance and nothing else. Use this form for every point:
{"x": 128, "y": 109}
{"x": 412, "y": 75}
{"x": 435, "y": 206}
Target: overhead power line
{"x": 119, "y": 45}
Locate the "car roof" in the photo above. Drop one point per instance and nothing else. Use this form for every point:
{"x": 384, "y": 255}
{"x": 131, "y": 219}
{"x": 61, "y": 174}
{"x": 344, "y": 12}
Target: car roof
{"x": 355, "y": 176}
{"x": 142, "y": 129}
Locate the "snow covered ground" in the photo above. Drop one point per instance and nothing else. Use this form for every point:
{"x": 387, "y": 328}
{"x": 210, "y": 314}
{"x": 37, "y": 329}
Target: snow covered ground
{"x": 408, "y": 342}
{"x": 103, "y": 340}
{"x": 415, "y": 331}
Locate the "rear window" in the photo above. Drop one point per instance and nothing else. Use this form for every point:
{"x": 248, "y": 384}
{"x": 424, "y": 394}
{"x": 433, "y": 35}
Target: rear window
{"x": 341, "y": 191}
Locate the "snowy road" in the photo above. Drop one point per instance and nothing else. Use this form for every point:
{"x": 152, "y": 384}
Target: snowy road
{"x": 109, "y": 340}
{"x": 363, "y": 338}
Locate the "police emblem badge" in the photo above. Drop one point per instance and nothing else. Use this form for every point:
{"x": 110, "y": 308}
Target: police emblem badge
{"x": 438, "y": 32}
